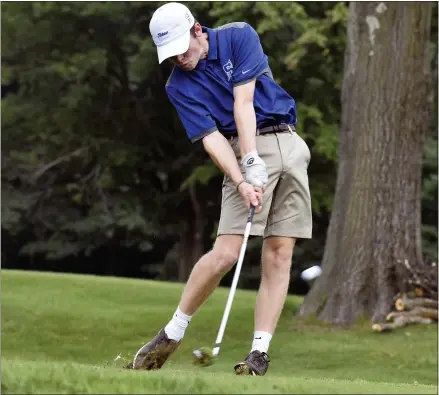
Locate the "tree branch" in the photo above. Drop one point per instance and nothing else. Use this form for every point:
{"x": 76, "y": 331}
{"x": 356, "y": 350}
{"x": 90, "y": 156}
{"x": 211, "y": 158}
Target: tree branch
{"x": 57, "y": 161}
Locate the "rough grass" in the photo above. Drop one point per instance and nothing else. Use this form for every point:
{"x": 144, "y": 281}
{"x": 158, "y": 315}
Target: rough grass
{"x": 62, "y": 334}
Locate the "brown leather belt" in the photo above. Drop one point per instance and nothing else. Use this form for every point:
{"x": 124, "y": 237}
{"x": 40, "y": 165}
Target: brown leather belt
{"x": 276, "y": 128}
{"x": 268, "y": 129}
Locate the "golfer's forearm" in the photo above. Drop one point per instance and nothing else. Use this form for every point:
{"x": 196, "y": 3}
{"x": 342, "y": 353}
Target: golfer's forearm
{"x": 222, "y": 154}
{"x": 245, "y": 120}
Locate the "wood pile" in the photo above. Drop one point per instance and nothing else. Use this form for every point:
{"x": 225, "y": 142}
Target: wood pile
{"x": 417, "y": 306}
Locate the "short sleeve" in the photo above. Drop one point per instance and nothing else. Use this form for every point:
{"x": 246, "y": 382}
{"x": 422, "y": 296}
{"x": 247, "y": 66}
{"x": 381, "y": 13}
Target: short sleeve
{"x": 193, "y": 114}
{"x": 249, "y": 58}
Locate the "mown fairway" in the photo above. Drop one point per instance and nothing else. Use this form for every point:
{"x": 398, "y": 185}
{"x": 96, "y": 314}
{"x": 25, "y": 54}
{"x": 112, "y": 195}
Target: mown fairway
{"x": 62, "y": 334}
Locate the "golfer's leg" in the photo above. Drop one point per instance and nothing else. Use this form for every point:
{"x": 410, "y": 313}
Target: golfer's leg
{"x": 277, "y": 254}
{"x": 208, "y": 272}
{"x": 290, "y": 218}
{"x": 203, "y": 280}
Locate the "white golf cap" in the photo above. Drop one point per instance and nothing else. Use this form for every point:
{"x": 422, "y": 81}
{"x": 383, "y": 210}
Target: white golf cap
{"x": 170, "y": 29}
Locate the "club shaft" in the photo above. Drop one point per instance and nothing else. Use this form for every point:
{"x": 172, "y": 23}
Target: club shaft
{"x": 234, "y": 283}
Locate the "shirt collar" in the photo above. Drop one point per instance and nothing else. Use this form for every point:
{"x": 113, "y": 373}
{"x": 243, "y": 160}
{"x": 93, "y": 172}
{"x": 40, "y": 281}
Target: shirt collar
{"x": 213, "y": 48}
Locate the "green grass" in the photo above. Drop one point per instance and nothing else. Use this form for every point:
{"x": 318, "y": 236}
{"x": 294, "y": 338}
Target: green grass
{"x": 62, "y": 333}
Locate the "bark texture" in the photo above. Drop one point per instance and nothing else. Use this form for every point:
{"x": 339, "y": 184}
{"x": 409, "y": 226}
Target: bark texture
{"x": 376, "y": 218}
{"x": 191, "y": 245}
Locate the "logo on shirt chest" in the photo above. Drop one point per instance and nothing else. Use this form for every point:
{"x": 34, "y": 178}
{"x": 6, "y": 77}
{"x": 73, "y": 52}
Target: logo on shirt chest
{"x": 228, "y": 69}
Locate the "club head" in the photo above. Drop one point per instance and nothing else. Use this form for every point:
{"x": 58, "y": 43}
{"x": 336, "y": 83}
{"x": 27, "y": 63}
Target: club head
{"x": 203, "y": 356}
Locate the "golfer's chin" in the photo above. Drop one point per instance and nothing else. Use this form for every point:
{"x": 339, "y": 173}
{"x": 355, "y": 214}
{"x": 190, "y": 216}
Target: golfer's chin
{"x": 187, "y": 67}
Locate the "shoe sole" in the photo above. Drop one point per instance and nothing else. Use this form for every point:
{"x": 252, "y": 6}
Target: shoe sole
{"x": 154, "y": 358}
{"x": 150, "y": 361}
{"x": 138, "y": 352}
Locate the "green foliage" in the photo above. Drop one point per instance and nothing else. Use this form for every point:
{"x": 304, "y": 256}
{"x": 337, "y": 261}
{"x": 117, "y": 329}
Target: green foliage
{"x": 89, "y": 126}
{"x": 201, "y": 175}
{"x": 94, "y": 153}
{"x": 429, "y": 199}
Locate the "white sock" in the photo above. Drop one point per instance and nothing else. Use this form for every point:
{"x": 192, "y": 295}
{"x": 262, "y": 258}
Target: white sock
{"x": 178, "y": 324}
{"x": 261, "y": 341}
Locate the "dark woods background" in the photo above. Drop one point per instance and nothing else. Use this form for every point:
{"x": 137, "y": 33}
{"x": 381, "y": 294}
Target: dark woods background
{"x": 98, "y": 175}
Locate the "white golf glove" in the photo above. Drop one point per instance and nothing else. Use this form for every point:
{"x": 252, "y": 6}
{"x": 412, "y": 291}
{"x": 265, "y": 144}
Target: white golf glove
{"x": 255, "y": 169}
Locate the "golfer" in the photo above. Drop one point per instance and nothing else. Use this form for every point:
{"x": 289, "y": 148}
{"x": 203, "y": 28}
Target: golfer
{"x": 224, "y": 93}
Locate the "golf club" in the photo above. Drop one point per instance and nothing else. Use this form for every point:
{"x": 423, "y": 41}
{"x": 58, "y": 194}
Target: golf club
{"x": 204, "y": 356}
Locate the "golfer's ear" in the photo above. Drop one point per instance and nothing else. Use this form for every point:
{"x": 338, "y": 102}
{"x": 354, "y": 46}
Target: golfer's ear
{"x": 198, "y": 30}
{"x": 244, "y": 92}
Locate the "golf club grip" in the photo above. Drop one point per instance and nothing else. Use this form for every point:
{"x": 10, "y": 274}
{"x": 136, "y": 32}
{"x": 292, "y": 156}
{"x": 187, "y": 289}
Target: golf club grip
{"x": 235, "y": 281}
{"x": 251, "y": 213}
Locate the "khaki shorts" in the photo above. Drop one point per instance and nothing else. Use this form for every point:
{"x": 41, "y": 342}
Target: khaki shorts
{"x": 286, "y": 202}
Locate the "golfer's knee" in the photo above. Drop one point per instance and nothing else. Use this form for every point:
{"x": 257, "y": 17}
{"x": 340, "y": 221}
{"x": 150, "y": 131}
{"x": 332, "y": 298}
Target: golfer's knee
{"x": 281, "y": 261}
{"x": 278, "y": 258}
{"x": 224, "y": 258}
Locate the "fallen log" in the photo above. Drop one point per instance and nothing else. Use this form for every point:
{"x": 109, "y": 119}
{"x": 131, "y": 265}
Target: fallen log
{"x": 399, "y": 322}
{"x": 407, "y": 303}
{"x": 423, "y": 312}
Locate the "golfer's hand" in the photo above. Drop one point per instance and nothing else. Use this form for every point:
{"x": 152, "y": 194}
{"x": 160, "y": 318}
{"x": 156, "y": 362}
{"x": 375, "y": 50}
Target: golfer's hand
{"x": 255, "y": 170}
{"x": 251, "y": 195}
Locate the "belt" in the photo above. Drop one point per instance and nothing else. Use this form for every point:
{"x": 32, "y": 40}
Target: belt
{"x": 283, "y": 127}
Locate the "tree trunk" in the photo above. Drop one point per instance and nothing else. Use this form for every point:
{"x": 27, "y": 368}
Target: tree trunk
{"x": 191, "y": 237}
{"x": 185, "y": 263}
{"x": 376, "y": 223}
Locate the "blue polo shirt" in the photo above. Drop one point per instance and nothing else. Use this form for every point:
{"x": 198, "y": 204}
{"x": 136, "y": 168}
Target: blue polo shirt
{"x": 203, "y": 97}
